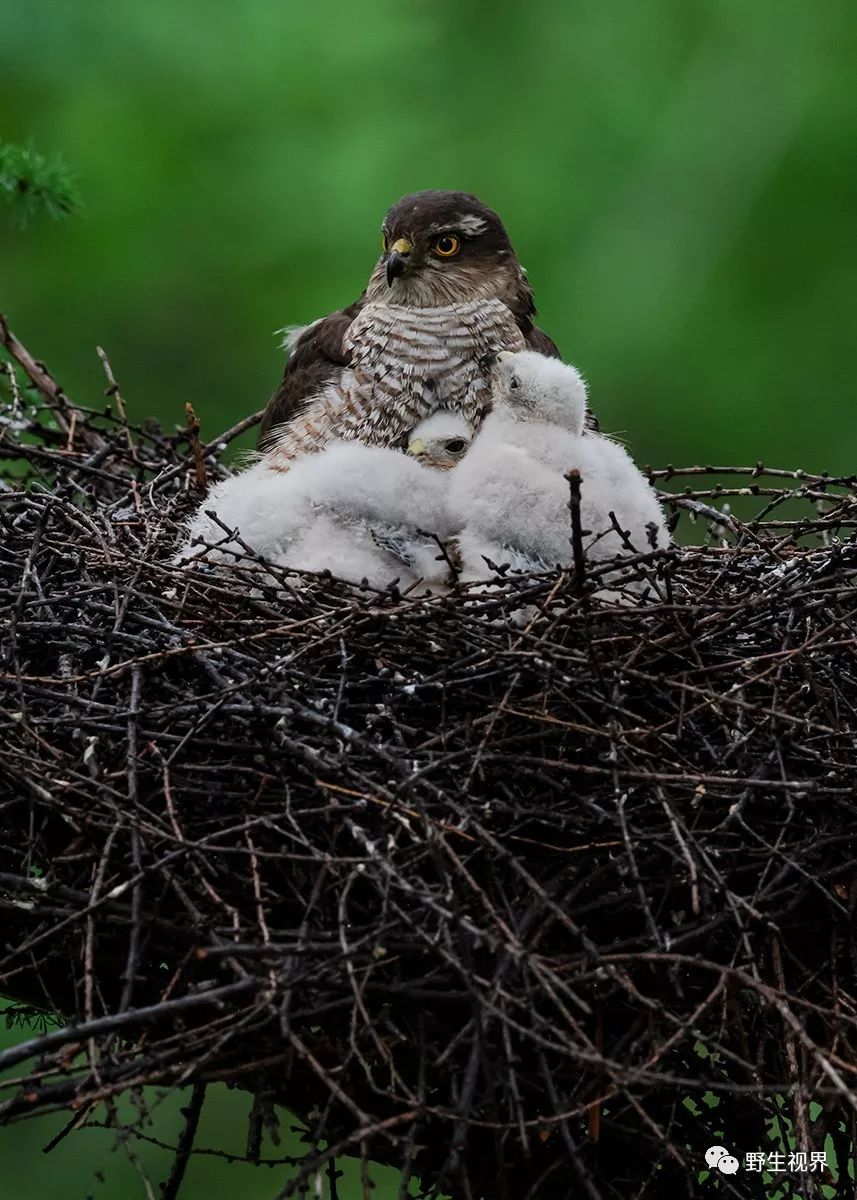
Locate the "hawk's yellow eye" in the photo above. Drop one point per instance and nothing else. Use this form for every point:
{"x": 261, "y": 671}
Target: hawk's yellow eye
{"x": 447, "y": 245}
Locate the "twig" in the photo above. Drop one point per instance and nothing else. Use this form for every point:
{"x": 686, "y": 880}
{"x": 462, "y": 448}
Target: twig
{"x": 62, "y": 408}
{"x": 113, "y": 390}
{"x": 201, "y": 477}
{"x": 574, "y": 485}
{"x": 192, "y": 1113}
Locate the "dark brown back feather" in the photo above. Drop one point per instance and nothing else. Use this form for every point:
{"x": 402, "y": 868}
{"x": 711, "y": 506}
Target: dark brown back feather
{"x": 317, "y": 359}
{"x": 539, "y": 341}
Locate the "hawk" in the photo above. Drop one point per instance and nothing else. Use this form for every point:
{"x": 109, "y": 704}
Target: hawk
{"x": 446, "y": 293}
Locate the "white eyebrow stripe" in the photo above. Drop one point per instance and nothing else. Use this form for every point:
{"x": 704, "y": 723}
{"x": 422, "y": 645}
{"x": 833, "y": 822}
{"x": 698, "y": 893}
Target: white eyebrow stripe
{"x": 465, "y": 223}
{"x": 468, "y": 223}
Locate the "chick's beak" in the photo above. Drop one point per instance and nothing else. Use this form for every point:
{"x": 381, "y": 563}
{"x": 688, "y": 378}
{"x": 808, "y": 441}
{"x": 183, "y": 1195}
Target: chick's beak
{"x": 416, "y": 447}
{"x": 398, "y": 259}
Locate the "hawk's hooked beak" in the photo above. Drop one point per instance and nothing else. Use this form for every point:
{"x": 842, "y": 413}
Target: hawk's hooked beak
{"x": 398, "y": 259}
{"x": 417, "y": 447}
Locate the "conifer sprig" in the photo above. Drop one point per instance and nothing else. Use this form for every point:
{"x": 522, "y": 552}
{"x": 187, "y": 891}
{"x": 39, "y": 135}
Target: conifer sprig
{"x": 31, "y": 184}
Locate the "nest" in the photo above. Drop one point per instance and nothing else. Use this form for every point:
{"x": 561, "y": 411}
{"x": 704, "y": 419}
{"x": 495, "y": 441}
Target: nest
{"x": 526, "y": 906}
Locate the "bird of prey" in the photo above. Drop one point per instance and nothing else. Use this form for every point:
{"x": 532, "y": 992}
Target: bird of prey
{"x": 358, "y": 511}
{"x": 509, "y": 494}
{"x": 446, "y": 291}
{"x": 441, "y": 440}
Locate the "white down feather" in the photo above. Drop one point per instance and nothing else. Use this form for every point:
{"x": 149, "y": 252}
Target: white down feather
{"x": 509, "y": 492}
{"x": 361, "y": 512}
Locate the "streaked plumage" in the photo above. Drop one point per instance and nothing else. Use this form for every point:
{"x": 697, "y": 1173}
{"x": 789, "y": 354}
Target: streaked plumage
{"x": 405, "y": 362}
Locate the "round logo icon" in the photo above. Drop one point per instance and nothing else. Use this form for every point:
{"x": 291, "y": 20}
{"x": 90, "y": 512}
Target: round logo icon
{"x": 719, "y": 1158}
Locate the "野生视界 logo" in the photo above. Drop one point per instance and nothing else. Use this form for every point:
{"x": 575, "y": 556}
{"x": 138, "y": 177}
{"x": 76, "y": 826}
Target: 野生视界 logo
{"x": 775, "y": 1162}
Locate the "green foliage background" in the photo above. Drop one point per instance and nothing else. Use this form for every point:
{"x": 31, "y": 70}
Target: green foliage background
{"x": 679, "y": 177}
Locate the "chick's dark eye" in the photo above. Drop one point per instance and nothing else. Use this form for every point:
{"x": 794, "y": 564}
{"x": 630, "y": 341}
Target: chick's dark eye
{"x": 456, "y": 445}
{"x": 513, "y": 383}
{"x": 447, "y": 245}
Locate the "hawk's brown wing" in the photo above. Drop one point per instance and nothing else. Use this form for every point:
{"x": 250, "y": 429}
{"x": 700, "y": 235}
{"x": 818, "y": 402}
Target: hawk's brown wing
{"x": 538, "y": 340}
{"x": 318, "y": 358}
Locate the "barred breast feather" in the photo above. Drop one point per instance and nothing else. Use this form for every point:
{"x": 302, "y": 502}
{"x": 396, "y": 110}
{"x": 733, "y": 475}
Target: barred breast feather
{"x": 405, "y": 362}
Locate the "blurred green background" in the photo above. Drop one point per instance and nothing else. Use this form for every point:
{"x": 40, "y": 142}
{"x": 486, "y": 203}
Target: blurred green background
{"x": 116, "y": 1164}
{"x": 679, "y": 177}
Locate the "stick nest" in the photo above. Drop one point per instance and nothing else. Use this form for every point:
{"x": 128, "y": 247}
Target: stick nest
{"x": 524, "y": 894}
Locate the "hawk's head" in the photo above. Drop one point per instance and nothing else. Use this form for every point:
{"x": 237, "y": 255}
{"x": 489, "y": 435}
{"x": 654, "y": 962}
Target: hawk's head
{"x": 443, "y": 248}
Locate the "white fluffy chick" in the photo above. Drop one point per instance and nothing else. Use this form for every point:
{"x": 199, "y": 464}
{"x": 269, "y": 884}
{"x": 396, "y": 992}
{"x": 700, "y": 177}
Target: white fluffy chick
{"x": 262, "y": 507}
{"x": 509, "y": 492}
{"x": 361, "y": 512}
{"x": 441, "y": 440}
